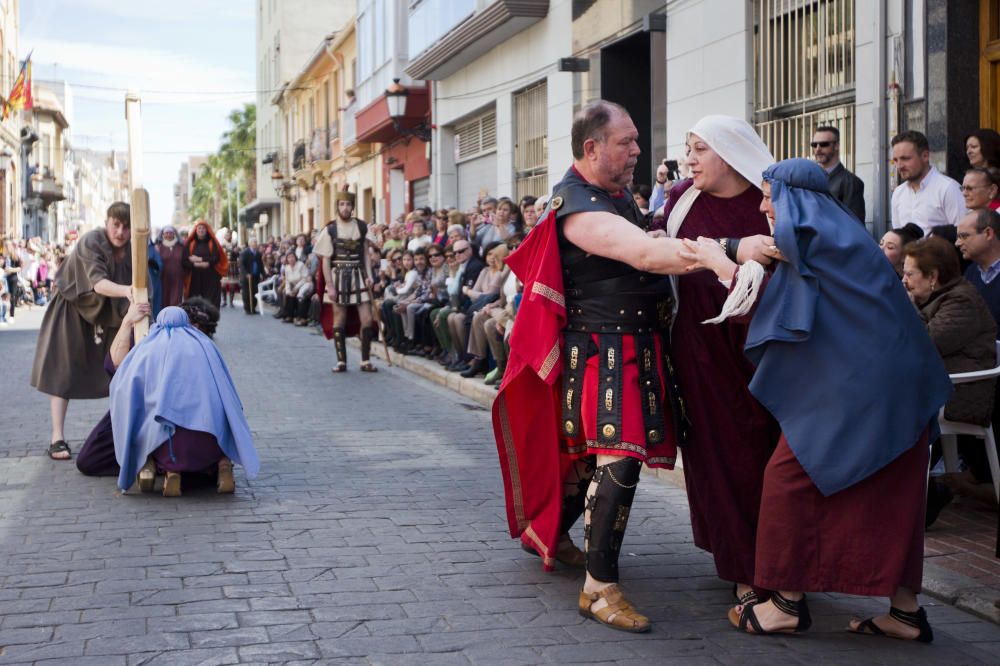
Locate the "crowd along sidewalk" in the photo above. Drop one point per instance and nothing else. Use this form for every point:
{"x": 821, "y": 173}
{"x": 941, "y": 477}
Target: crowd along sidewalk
{"x": 960, "y": 567}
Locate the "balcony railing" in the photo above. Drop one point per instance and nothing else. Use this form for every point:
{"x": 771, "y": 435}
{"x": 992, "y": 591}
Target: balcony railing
{"x": 47, "y": 188}
{"x": 299, "y": 155}
{"x": 349, "y": 132}
{"x": 334, "y": 130}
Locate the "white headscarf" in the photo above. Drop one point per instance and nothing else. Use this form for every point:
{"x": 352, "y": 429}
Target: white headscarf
{"x": 737, "y": 144}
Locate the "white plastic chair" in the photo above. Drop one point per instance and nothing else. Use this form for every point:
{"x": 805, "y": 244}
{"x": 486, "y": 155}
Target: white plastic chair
{"x": 951, "y": 429}
{"x": 266, "y": 287}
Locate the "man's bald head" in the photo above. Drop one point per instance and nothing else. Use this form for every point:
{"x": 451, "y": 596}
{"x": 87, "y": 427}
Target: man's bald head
{"x": 591, "y": 122}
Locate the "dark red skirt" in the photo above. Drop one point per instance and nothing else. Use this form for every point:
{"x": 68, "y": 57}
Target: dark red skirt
{"x": 867, "y": 539}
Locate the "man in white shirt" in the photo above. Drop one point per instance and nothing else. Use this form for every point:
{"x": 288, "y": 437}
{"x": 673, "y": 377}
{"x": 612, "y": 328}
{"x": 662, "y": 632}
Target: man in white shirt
{"x": 926, "y": 197}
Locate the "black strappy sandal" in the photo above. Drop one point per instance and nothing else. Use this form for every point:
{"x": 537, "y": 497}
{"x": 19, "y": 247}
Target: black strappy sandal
{"x": 340, "y": 367}
{"x": 368, "y": 367}
{"x": 60, "y": 447}
{"x": 916, "y": 620}
{"x": 748, "y": 623}
{"x": 746, "y": 598}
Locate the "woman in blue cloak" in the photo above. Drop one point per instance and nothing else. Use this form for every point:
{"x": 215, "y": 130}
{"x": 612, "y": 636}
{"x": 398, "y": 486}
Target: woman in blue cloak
{"x": 833, "y": 335}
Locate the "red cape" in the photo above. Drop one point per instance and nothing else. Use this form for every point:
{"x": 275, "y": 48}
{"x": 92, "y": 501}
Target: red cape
{"x": 526, "y": 411}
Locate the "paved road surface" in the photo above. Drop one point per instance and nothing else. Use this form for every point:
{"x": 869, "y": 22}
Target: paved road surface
{"x": 374, "y": 534}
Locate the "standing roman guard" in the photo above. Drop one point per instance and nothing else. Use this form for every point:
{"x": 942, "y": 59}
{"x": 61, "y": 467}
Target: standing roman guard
{"x": 347, "y": 280}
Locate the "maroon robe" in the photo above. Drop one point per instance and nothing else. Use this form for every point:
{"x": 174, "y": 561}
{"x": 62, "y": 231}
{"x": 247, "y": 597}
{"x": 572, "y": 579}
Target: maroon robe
{"x": 732, "y": 436}
{"x": 172, "y": 275}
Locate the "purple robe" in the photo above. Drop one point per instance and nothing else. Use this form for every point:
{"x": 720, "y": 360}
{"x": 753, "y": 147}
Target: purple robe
{"x": 172, "y": 276}
{"x": 187, "y": 451}
{"x": 732, "y": 435}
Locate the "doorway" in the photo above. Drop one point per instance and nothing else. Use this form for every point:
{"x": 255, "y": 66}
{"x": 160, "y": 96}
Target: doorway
{"x": 626, "y": 75}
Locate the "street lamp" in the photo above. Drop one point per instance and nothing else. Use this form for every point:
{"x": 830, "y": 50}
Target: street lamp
{"x": 395, "y": 99}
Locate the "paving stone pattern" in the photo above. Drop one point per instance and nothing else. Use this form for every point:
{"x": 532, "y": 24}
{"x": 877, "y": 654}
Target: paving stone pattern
{"x": 375, "y": 534}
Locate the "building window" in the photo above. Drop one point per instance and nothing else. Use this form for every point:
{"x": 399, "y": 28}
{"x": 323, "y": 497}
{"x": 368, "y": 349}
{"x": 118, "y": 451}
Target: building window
{"x": 476, "y": 137}
{"x": 531, "y": 148}
{"x": 804, "y": 74}
{"x": 430, "y": 20}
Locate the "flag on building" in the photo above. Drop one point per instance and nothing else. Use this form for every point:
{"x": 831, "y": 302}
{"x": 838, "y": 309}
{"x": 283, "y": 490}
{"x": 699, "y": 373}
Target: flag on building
{"x": 20, "y": 94}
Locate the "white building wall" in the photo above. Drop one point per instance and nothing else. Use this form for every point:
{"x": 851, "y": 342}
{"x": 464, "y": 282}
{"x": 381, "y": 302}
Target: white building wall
{"x": 491, "y": 80}
{"x": 709, "y": 67}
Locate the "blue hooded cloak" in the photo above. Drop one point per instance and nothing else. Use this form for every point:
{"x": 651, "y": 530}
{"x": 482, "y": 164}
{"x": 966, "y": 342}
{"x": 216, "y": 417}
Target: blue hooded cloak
{"x": 173, "y": 378}
{"x": 844, "y": 362}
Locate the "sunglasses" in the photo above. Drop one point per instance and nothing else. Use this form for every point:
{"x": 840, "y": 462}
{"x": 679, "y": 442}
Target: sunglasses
{"x": 461, "y": 250}
{"x": 431, "y": 256}
{"x": 822, "y": 144}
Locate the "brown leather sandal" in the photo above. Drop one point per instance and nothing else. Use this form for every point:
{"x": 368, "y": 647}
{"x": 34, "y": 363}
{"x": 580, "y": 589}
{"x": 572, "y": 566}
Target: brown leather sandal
{"x": 172, "y": 484}
{"x": 147, "y": 476}
{"x": 616, "y": 612}
{"x": 225, "y": 483}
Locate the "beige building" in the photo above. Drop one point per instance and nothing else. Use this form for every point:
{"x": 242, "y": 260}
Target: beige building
{"x": 47, "y": 167}
{"x": 186, "y": 175}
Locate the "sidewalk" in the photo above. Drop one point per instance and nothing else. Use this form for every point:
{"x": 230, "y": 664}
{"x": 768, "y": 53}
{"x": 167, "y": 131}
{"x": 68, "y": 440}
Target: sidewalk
{"x": 960, "y": 567}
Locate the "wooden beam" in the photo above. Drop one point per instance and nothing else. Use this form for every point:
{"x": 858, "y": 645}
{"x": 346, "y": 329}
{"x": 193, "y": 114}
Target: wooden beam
{"x": 140, "y": 210}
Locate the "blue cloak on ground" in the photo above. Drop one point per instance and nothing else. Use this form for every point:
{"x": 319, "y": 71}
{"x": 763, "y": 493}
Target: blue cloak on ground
{"x": 175, "y": 377}
{"x": 844, "y": 362}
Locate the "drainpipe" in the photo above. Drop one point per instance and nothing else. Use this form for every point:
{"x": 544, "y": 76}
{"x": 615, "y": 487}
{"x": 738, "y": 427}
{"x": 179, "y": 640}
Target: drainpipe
{"x": 880, "y": 218}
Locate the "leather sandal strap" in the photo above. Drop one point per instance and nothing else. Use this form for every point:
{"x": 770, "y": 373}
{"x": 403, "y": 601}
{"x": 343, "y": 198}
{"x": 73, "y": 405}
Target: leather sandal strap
{"x": 786, "y": 606}
{"x": 748, "y": 616}
{"x": 907, "y": 618}
{"x": 869, "y": 627}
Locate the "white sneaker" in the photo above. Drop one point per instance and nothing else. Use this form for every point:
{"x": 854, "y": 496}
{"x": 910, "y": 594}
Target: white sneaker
{"x": 10, "y": 320}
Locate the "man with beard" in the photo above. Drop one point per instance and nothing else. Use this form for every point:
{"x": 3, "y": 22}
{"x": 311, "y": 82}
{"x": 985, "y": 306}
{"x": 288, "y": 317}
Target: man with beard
{"x": 926, "y": 196}
{"x": 172, "y": 274}
{"x": 845, "y": 187}
{"x": 589, "y": 392}
{"x": 347, "y": 280}
{"x": 91, "y": 297}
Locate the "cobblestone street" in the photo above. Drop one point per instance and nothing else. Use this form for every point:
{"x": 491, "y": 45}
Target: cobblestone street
{"x": 374, "y": 534}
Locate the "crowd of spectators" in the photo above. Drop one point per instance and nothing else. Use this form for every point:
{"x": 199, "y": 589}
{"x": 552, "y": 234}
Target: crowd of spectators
{"x": 27, "y": 269}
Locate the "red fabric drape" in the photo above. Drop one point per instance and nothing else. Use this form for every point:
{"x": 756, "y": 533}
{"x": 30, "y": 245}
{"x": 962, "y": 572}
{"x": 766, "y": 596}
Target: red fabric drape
{"x": 526, "y": 411}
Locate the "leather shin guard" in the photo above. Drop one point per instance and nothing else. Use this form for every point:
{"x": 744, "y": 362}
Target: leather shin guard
{"x": 609, "y": 506}
{"x": 340, "y": 344}
{"x": 367, "y": 335}
{"x": 575, "y": 492}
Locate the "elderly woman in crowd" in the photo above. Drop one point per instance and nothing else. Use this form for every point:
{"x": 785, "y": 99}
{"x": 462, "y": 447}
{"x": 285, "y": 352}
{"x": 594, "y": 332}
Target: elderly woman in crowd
{"x": 893, "y": 242}
{"x": 297, "y": 287}
{"x": 979, "y": 189}
{"x": 484, "y": 291}
{"x": 841, "y": 508}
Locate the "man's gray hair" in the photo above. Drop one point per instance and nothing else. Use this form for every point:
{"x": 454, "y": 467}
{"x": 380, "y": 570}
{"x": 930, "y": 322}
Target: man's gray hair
{"x": 591, "y": 121}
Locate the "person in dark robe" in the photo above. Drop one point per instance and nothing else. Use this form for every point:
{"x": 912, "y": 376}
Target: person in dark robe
{"x": 251, "y": 269}
{"x": 732, "y": 435}
{"x": 194, "y": 456}
{"x": 207, "y": 263}
{"x": 91, "y": 295}
{"x": 842, "y": 506}
{"x": 173, "y": 274}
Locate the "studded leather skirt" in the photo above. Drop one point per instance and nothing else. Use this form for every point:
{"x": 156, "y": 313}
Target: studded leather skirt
{"x": 615, "y": 397}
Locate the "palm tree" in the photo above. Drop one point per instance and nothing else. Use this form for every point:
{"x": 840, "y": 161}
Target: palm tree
{"x": 236, "y": 158}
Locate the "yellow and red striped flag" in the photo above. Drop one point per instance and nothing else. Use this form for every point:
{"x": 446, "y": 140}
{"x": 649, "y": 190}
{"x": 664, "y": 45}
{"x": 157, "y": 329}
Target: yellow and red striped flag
{"x": 20, "y": 94}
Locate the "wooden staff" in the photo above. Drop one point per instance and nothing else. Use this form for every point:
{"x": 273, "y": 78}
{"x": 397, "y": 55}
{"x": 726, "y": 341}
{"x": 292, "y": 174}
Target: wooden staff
{"x": 140, "y": 210}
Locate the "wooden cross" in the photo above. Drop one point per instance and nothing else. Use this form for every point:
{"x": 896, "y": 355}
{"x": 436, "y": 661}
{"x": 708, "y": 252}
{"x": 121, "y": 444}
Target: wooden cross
{"x": 140, "y": 209}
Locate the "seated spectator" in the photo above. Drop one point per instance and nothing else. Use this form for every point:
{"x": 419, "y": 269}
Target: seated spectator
{"x": 959, "y": 322}
{"x": 302, "y": 247}
{"x": 485, "y": 290}
{"x": 395, "y": 240}
{"x": 297, "y": 288}
{"x": 641, "y": 194}
{"x": 436, "y": 295}
{"x": 404, "y": 280}
{"x": 438, "y": 315}
{"x": 529, "y": 216}
{"x": 403, "y": 314}
{"x": 982, "y": 147}
{"x": 440, "y": 235}
{"x": 980, "y": 190}
{"x": 489, "y": 328}
{"x": 499, "y": 228}
{"x": 419, "y": 238}
{"x": 456, "y": 227}
{"x": 893, "y": 242}
{"x": 978, "y": 240}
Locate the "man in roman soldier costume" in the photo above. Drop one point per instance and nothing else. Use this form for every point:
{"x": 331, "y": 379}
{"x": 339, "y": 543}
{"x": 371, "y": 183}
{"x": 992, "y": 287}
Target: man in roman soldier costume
{"x": 346, "y": 282}
{"x": 589, "y": 393}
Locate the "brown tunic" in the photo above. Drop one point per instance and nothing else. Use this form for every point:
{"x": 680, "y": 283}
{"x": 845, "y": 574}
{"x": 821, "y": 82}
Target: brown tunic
{"x": 79, "y": 323}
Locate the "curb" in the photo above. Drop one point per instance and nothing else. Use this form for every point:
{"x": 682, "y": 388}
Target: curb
{"x": 943, "y": 584}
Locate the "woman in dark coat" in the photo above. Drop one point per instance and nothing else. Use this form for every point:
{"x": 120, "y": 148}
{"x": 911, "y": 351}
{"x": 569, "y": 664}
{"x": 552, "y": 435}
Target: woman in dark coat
{"x": 207, "y": 262}
{"x": 959, "y": 322}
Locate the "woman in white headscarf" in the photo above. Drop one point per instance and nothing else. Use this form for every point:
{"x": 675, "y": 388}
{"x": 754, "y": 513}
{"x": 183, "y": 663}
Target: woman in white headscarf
{"x": 172, "y": 276}
{"x": 732, "y": 435}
